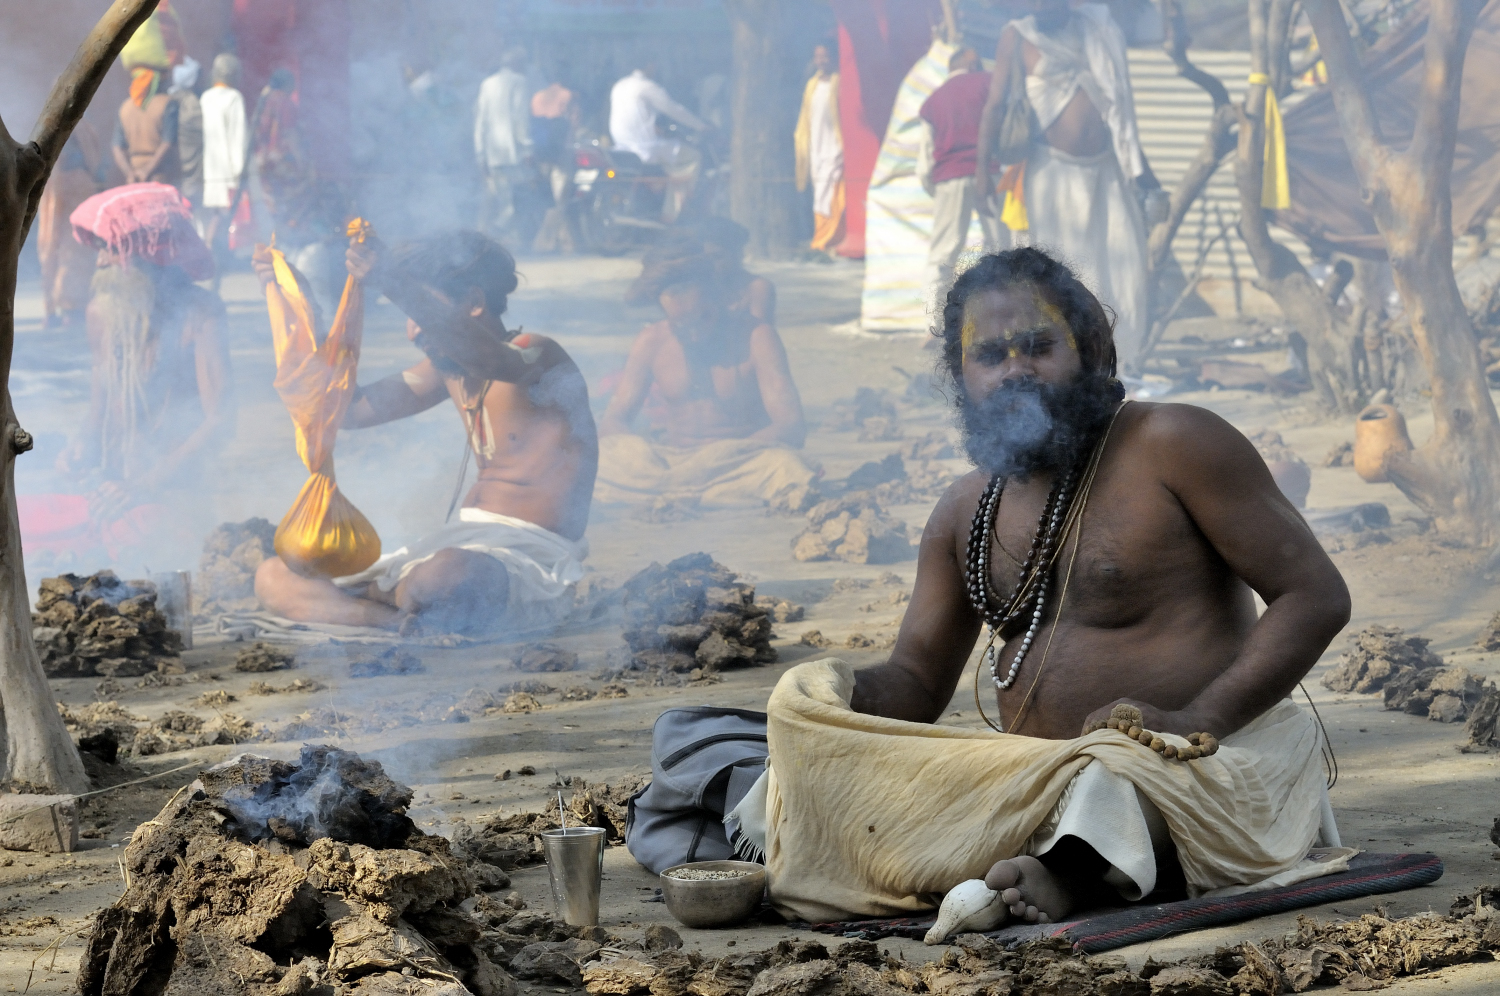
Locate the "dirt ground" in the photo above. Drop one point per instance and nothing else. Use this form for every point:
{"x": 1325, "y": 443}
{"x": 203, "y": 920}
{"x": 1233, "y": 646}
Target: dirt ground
{"x": 1404, "y": 785}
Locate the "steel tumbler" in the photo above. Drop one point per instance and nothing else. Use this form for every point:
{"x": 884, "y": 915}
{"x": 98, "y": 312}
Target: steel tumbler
{"x": 575, "y": 861}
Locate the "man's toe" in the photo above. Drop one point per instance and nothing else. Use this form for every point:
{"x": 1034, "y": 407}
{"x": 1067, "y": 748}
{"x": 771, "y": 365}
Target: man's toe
{"x": 1003, "y": 875}
{"x": 1031, "y": 914}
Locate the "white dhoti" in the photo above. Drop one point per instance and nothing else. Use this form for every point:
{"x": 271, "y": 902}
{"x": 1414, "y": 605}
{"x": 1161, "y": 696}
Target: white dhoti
{"x": 543, "y": 567}
{"x": 1081, "y": 209}
{"x": 867, "y": 816}
{"x": 727, "y": 472}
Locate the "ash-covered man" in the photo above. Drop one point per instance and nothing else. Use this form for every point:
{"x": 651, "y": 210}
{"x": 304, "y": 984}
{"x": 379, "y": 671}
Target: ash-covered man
{"x": 731, "y": 417}
{"x": 510, "y": 560}
{"x": 1140, "y": 534}
{"x": 161, "y": 395}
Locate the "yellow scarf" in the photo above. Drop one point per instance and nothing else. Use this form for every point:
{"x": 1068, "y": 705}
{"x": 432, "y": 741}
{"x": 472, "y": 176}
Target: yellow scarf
{"x": 1275, "y": 188}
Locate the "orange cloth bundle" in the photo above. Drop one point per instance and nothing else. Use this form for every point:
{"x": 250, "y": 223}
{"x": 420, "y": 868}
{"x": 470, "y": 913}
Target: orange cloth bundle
{"x": 323, "y": 535}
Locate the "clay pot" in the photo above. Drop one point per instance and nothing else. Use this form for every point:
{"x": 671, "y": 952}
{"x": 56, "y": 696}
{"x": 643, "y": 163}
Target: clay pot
{"x": 1293, "y": 478}
{"x": 1379, "y": 431}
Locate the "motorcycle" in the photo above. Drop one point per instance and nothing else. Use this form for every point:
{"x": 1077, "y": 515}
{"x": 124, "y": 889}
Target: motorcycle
{"x": 616, "y": 199}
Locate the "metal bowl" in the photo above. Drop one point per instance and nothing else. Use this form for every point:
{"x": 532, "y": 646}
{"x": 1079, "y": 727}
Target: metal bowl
{"x": 714, "y": 902}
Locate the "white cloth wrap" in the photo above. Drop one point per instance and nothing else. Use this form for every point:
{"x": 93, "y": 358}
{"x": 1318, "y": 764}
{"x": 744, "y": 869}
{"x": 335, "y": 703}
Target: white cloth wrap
{"x": 1089, "y": 52}
{"x": 543, "y": 566}
{"x": 826, "y": 149}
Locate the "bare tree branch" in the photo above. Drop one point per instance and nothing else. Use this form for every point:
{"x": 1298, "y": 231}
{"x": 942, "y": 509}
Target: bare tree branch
{"x": 1217, "y": 143}
{"x": 1351, "y": 98}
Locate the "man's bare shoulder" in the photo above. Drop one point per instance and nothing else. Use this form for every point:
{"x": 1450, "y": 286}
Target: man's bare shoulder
{"x": 955, "y": 509}
{"x": 1182, "y": 430}
{"x": 1191, "y": 446}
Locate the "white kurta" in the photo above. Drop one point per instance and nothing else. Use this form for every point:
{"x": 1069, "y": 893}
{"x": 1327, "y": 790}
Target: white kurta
{"x": 502, "y": 121}
{"x": 1084, "y": 208}
{"x": 825, "y": 149}
{"x": 223, "y": 143}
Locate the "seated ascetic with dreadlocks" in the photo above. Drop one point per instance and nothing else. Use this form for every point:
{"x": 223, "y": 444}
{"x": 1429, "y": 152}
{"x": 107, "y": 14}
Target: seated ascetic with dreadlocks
{"x": 1143, "y": 533}
{"x": 511, "y": 553}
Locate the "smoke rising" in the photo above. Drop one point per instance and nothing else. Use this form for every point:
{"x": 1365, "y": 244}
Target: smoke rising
{"x": 1027, "y": 426}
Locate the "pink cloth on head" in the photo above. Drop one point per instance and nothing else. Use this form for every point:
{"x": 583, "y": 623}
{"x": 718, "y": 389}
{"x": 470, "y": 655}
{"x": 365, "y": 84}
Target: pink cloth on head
{"x": 150, "y": 220}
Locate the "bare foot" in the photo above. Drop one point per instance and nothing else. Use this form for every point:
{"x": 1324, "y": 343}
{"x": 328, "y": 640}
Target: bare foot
{"x": 1030, "y": 890}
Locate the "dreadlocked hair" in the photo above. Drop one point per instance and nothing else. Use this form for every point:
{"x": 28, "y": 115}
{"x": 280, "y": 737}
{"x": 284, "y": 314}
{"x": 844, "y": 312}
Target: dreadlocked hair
{"x": 453, "y": 262}
{"x": 677, "y": 259}
{"x": 1089, "y": 319}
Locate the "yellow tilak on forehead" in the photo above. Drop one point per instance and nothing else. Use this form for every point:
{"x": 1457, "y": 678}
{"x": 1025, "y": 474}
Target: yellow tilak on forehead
{"x": 1054, "y": 315}
{"x": 966, "y": 336}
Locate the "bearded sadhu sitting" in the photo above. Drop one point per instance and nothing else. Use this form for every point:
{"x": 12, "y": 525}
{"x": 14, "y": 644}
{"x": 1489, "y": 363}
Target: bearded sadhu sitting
{"x": 1113, "y": 550}
{"x": 161, "y": 398}
{"x": 729, "y": 418}
{"x": 510, "y": 560}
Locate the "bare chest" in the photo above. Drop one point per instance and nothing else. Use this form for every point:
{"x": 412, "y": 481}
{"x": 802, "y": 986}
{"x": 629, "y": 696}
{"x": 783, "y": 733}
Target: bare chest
{"x": 502, "y": 421}
{"x": 722, "y": 371}
{"x": 1134, "y": 551}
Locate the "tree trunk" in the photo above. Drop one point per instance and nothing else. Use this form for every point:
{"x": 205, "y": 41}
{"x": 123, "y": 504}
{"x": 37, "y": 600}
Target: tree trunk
{"x": 762, "y": 193}
{"x": 1329, "y": 337}
{"x": 39, "y": 754}
{"x": 1455, "y": 475}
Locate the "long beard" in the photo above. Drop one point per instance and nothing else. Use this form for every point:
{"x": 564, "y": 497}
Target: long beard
{"x": 1027, "y": 426}
{"x": 125, "y": 298}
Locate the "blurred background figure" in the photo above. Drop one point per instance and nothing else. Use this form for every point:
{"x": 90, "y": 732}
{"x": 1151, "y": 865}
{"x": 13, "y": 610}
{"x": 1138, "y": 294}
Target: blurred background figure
{"x": 224, "y": 138}
{"x": 634, "y": 103}
{"x": 820, "y": 151}
{"x": 945, "y": 165}
{"x": 161, "y": 397}
{"x": 502, "y": 142}
{"x": 67, "y": 264}
{"x": 744, "y": 293}
{"x": 189, "y": 134}
{"x": 1077, "y": 190}
{"x": 145, "y": 140}
{"x": 554, "y": 121}
{"x": 278, "y": 158}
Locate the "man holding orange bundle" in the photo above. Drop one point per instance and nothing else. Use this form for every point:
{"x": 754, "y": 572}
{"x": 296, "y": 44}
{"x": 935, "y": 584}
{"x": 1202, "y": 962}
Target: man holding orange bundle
{"x": 509, "y": 561}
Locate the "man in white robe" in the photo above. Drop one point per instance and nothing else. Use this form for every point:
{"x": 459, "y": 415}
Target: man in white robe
{"x": 1078, "y": 192}
{"x": 820, "y": 151}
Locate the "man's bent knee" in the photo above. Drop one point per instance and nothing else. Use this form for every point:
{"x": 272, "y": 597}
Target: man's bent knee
{"x": 457, "y": 591}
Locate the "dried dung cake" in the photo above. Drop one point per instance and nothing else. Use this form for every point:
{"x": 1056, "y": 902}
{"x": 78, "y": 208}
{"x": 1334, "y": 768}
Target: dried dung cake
{"x": 1442, "y": 694}
{"x": 694, "y": 613}
{"x": 137, "y": 736}
{"x": 868, "y": 403}
{"x": 263, "y": 657}
{"x": 541, "y": 658}
{"x": 1375, "y": 656}
{"x": 100, "y": 625}
{"x": 267, "y": 877}
{"x": 387, "y": 660}
{"x": 226, "y": 572}
{"x": 1483, "y": 725}
{"x": 513, "y": 841}
{"x": 1489, "y": 639}
{"x": 854, "y": 528}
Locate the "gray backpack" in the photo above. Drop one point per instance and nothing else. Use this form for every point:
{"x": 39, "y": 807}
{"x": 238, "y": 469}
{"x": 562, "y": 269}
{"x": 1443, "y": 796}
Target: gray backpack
{"x": 703, "y": 761}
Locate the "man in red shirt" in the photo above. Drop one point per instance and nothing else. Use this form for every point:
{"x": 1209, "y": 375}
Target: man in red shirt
{"x": 945, "y": 165}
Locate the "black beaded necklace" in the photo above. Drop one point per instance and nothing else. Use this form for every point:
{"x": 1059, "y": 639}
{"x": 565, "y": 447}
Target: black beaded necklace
{"x": 1030, "y": 591}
